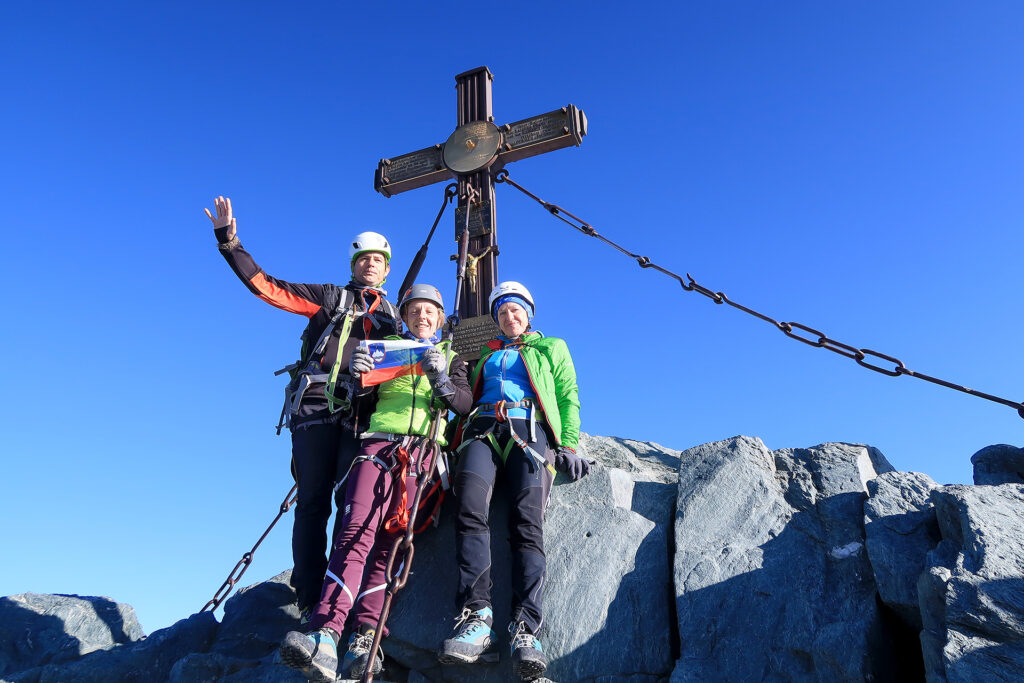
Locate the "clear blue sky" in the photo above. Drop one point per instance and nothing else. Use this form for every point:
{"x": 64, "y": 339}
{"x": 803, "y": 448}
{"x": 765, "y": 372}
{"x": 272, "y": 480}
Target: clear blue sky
{"x": 855, "y": 167}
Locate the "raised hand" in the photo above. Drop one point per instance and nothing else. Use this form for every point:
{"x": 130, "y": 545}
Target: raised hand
{"x": 224, "y": 222}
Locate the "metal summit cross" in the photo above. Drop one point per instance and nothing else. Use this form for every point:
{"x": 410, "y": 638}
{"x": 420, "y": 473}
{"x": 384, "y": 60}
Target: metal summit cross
{"x": 470, "y": 155}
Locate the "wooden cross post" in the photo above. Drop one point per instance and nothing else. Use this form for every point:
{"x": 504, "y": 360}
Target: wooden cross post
{"x": 477, "y": 149}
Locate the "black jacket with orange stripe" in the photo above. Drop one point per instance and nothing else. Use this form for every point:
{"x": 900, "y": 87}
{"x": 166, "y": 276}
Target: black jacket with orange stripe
{"x": 317, "y": 302}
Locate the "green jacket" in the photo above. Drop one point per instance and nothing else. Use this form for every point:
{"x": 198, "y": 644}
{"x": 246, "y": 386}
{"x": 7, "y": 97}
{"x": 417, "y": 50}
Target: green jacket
{"x": 404, "y": 403}
{"x": 553, "y": 378}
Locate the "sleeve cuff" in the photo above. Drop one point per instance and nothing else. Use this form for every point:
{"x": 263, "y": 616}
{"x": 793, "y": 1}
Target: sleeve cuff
{"x": 443, "y": 386}
{"x": 229, "y": 245}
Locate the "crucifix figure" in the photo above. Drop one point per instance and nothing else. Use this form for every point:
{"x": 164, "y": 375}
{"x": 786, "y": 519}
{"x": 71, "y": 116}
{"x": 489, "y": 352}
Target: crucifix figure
{"x": 476, "y": 149}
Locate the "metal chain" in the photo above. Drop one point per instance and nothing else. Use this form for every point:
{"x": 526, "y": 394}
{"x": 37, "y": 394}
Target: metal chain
{"x": 450, "y": 192}
{"x": 788, "y": 328}
{"x": 403, "y": 547}
{"x": 403, "y": 544}
{"x": 243, "y": 564}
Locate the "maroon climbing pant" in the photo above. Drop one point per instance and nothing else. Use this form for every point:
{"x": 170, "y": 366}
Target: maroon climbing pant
{"x": 356, "y": 571}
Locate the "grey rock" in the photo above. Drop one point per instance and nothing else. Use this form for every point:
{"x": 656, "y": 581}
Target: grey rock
{"x": 43, "y": 629}
{"x": 998, "y": 464}
{"x": 607, "y": 597}
{"x": 772, "y": 580}
{"x": 256, "y": 619}
{"x": 972, "y": 594}
{"x": 901, "y": 529}
{"x": 269, "y": 669}
{"x": 208, "y": 667}
{"x": 642, "y": 460}
{"x": 146, "y": 660}
{"x": 724, "y": 562}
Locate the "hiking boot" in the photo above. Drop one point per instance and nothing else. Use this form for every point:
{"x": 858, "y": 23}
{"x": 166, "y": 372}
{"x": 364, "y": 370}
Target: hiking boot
{"x": 354, "y": 661}
{"x": 314, "y": 654}
{"x": 528, "y": 659}
{"x": 305, "y": 614}
{"x": 472, "y": 638}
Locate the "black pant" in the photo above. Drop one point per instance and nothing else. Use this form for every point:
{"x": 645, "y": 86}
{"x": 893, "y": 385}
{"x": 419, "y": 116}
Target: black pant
{"x": 528, "y": 483}
{"x": 321, "y": 455}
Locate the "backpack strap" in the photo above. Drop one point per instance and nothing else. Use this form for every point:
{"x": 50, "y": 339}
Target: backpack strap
{"x": 346, "y": 308}
{"x": 307, "y": 371}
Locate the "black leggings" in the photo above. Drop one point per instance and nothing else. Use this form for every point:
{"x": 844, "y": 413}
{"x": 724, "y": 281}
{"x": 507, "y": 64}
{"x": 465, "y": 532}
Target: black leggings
{"x": 528, "y": 483}
{"x": 321, "y": 454}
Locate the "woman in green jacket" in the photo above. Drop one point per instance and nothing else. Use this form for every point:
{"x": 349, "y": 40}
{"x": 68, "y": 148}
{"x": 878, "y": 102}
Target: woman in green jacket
{"x": 376, "y": 501}
{"x": 525, "y": 421}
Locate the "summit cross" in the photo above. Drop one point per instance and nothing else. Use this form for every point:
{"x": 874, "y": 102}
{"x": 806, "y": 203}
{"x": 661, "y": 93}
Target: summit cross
{"x": 476, "y": 150}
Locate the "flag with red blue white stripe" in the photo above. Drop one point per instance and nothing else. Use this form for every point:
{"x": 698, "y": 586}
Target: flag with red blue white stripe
{"x": 393, "y": 358}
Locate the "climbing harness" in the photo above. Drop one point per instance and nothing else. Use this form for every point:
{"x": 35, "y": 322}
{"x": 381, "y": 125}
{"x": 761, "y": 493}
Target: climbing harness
{"x": 787, "y": 328}
{"x": 311, "y": 373}
{"x": 312, "y": 370}
{"x": 500, "y": 412}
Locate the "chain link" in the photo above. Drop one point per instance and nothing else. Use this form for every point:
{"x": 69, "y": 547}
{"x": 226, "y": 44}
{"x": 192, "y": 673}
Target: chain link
{"x": 243, "y": 564}
{"x": 403, "y": 547}
{"x": 788, "y": 328}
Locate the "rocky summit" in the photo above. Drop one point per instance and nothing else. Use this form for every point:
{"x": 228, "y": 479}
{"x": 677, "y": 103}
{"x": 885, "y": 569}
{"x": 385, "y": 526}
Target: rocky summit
{"x": 724, "y": 562}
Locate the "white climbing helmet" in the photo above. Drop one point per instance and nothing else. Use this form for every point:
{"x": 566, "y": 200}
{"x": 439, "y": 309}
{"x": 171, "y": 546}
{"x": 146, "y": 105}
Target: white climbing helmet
{"x": 369, "y": 241}
{"x": 515, "y": 292}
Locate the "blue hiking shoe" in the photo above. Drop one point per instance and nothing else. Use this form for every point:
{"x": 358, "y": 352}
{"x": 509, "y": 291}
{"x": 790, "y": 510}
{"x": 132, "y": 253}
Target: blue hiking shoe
{"x": 355, "y": 660}
{"x": 314, "y": 654}
{"x": 472, "y": 639}
{"x": 528, "y": 658}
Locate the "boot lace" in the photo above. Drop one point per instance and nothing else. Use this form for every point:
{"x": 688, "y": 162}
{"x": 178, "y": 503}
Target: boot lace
{"x": 520, "y": 636}
{"x": 361, "y": 643}
{"x": 467, "y": 623}
{"x": 462, "y": 618}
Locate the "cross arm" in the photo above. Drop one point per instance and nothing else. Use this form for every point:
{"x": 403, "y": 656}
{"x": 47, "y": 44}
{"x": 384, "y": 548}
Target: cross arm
{"x": 409, "y": 171}
{"x": 563, "y": 127}
{"x": 539, "y": 134}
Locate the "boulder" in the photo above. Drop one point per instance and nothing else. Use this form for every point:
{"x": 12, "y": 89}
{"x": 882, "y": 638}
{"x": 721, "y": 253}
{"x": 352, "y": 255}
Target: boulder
{"x": 43, "y": 629}
{"x": 998, "y": 464}
{"x": 901, "y": 529}
{"x": 727, "y": 561}
{"x": 256, "y": 618}
{"x": 603, "y": 618}
{"x": 641, "y": 460}
{"x": 771, "y": 576}
{"x": 146, "y": 660}
{"x": 972, "y": 593}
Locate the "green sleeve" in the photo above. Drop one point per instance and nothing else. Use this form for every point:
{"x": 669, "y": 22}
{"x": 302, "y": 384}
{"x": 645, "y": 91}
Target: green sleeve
{"x": 567, "y": 394}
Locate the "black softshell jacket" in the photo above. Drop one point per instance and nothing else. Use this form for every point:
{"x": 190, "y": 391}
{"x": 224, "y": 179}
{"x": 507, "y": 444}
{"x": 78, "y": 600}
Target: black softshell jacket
{"x": 317, "y": 302}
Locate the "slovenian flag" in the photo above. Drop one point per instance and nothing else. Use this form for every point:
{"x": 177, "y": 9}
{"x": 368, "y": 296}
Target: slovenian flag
{"x": 393, "y": 358}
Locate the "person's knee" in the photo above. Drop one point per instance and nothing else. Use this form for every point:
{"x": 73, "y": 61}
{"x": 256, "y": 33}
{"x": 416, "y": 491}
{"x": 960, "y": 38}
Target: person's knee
{"x": 314, "y": 488}
{"x": 313, "y": 503}
{"x": 472, "y": 500}
{"x": 526, "y": 519}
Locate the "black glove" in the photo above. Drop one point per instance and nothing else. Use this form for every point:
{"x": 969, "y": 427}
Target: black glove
{"x": 572, "y": 464}
{"x": 360, "y": 362}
